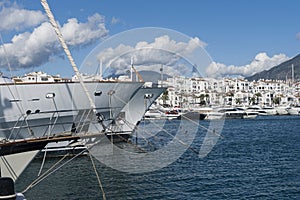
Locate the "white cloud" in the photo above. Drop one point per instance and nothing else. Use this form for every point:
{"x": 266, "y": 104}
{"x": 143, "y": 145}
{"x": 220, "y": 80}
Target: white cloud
{"x": 76, "y": 33}
{"x": 13, "y": 18}
{"x": 163, "y": 50}
{"x": 30, "y": 49}
{"x": 261, "y": 62}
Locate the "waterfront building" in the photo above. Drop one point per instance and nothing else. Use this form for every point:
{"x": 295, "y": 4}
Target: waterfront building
{"x": 197, "y": 92}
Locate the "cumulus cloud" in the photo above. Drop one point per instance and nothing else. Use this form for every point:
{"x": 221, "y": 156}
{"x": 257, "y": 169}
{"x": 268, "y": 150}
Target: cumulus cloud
{"x": 151, "y": 55}
{"x": 261, "y": 62}
{"x": 76, "y": 33}
{"x": 30, "y": 49}
{"x": 14, "y": 18}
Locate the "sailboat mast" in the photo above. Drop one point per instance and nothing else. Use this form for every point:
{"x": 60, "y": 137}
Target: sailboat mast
{"x": 293, "y": 73}
{"x": 131, "y": 69}
{"x": 101, "y": 69}
{"x": 67, "y": 51}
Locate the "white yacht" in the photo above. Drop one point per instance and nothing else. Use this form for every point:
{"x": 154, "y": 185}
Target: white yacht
{"x": 269, "y": 110}
{"x": 248, "y": 114}
{"x": 31, "y": 107}
{"x": 294, "y": 110}
{"x": 213, "y": 115}
{"x": 135, "y": 110}
{"x": 232, "y": 113}
{"x": 282, "y": 110}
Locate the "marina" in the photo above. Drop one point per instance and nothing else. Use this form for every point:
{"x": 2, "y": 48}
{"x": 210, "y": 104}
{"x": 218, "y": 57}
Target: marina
{"x": 147, "y": 115}
{"x": 256, "y": 159}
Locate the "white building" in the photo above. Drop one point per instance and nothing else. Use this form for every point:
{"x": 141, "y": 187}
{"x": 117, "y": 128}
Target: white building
{"x": 196, "y": 92}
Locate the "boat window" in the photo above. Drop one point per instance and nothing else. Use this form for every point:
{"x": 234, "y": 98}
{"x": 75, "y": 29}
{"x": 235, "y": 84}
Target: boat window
{"x": 97, "y": 93}
{"x": 148, "y": 96}
{"x": 50, "y": 95}
{"x": 14, "y": 100}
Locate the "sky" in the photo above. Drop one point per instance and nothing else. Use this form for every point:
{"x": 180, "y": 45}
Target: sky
{"x": 242, "y": 37}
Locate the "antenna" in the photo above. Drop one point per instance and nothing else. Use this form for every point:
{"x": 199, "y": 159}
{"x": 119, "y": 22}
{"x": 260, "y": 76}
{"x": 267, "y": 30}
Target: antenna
{"x": 131, "y": 69}
{"x": 161, "y": 75}
{"x": 293, "y": 73}
{"x": 100, "y": 69}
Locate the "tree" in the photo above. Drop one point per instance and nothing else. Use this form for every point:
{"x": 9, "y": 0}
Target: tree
{"x": 257, "y": 97}
{"x": 165, "y": 96}
{"x": 238, "y": 101}
{"x": 276, "y": 100}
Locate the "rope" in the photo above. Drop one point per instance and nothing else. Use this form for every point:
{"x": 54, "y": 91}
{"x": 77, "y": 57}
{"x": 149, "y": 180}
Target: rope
{"x": 98, "y": 178}
{"x": 49, "y": 172}
{"x": 19, "y": 105}
{"x": 45, "y": 175}
{"x": 67, "y": 51}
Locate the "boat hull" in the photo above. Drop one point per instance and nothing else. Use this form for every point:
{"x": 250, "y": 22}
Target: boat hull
{"x": 29, "y": 110}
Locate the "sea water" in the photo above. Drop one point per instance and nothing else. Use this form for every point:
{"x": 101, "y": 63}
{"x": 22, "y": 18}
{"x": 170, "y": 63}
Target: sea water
{"x": 254, "y": 159}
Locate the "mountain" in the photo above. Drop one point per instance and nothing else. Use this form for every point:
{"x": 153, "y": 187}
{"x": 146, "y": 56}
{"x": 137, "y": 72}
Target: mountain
{"x": 282, "y": 71}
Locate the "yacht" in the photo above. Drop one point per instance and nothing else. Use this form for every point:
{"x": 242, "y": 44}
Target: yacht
{"x": 213, "y": 115}
{"x": 282, "y": 110}
{"x": 294, "y": 110}
{"x": 130, "y": 116}
{"x": 36, "y": 105}
{"x": 232, "y": 113}
{"x": 248, "y": 114}
{"x": 269, "y": 110}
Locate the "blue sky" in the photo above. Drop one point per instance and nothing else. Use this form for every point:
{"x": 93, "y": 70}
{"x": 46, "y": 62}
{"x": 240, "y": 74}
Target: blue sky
{"x": 241, "y": 36}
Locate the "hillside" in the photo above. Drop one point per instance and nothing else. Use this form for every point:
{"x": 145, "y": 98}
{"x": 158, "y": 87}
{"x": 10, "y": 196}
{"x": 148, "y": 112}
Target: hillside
{"x": 282, "y": 71}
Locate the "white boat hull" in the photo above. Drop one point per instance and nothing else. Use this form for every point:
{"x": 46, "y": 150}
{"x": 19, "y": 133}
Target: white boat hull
{"x": 135, "y": 109}
{"x": 294, "y": 111}
{"x": 28, "y": 110}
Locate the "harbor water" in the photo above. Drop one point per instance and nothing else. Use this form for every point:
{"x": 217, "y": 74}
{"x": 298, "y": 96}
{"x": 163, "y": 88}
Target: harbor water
{"x": 254, "y": 159}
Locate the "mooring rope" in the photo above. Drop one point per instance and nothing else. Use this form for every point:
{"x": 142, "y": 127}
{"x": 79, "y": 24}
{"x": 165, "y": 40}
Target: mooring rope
{"x": 98, "y": 177}
{"x": 50, "y": 172}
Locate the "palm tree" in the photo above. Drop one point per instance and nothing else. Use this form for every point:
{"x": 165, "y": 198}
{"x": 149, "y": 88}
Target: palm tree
{"x": 257, "y": 97}
{"x": 238, "y": 101}
{"x": 165, "y": 96}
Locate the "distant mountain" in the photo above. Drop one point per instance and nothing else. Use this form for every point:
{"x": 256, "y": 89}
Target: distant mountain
{"x": 282, "y": 71}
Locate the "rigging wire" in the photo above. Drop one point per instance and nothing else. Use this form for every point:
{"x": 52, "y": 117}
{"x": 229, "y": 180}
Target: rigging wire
{"x": 19, "y": 105}
{"x": 52, "y": 169}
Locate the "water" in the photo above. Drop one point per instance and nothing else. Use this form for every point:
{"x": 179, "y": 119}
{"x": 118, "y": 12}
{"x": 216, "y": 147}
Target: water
{"x": 255, "y": 159}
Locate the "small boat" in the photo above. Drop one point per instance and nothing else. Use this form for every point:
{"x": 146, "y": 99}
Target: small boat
{"x": 153, "y": 114}
{"x": 282, "y": 110}
{"x": 248, "y": 114}
{"x": 232, "y": 113}
{"x": 213, "y": 115}
{"x": 295, "y": 110}
{"x": 269, "y": 110}
{"x": 257, "y": 109}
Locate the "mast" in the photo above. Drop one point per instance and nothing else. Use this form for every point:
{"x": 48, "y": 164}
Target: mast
{"x": 100, "y": 69}
{"x": 161, "y": 75}
{"x": 131, "y": 69}
{"x": 293, "y": 73}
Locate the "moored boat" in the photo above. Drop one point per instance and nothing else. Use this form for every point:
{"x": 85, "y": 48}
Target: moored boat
{"x": 34, "y": 109}
{"x": 294, "y": 110}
